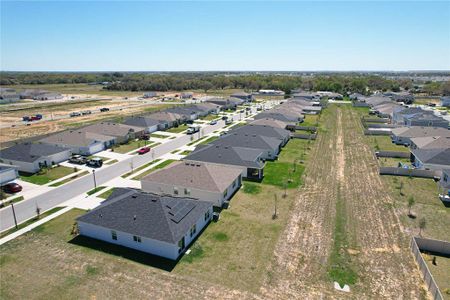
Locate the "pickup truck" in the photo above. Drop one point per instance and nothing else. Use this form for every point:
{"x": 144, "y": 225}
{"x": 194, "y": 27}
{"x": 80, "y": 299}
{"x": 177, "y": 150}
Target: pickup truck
{"x": 193, "y": 129}
{"x": 104, "y": 109}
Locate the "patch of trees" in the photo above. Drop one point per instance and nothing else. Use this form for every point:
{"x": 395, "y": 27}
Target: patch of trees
{"x": 133, "y": 81}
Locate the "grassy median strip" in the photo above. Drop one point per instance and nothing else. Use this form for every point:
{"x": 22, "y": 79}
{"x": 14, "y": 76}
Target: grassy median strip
{"x": 97, "y": 189}
{"x": 178, "y": 129}
{"x": 160, "y": 166}
{"x": 140, "y": 168}
{"x": 30, "y": 221}
{"x": 159, "y": 136}
{"x": 112, "y": 161}
{"x": 69, "y": 179}
{"x": 208, "y": 140}
{"x": 13, "y": 200}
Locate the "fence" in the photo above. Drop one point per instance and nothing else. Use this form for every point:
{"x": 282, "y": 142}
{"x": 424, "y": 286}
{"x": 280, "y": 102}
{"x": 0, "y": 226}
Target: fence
{"x": 304, "y": 136}
{"x": 394, "y": 154}
{"x": 360, "y": 104}
{"x": 306, "y": 128}
{"x": 419, "y": 244}
{"x": 376, "y": 132}
{"x": 408, "y": 172}
{"x": 376, "y": 120}
{"x": 378, "y": 125}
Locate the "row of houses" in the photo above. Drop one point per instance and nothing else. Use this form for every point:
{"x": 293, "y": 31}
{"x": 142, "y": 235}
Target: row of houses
{"x": 175, "y": 203}
{"x": 9, "y": 95}
{"x": 91, "y": 139}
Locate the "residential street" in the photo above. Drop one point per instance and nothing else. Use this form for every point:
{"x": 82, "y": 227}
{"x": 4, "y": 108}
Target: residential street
{"x": 26, "y": 209}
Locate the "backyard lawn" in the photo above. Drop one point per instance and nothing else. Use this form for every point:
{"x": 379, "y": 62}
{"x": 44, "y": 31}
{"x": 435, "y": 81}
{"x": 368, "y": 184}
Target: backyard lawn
{"x": 47, "y": 175}
{"x": 209, "y": 117}
{"x": 310, "y": 120}
{"x": 384, "y": 143}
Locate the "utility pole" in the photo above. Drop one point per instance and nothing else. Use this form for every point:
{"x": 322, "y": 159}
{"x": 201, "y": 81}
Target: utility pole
{"x": 95, "y": 182}
{"x": 14, "y": 215}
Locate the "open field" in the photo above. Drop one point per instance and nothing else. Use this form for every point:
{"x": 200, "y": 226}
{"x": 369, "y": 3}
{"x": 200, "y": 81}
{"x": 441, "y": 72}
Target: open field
{"x": 340, "y": 225}
{"x": 46, "y": 127}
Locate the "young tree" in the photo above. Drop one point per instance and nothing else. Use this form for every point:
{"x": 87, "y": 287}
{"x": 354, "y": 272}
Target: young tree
{"x": 274, "y": 216}
{"x": 422, "y": 225}
{"x": 400, "y": 188}
{"x": 411, "y": 202}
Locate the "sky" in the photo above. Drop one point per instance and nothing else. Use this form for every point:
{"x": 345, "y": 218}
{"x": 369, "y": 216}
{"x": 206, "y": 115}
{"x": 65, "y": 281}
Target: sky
{"x": 224, "y": 36}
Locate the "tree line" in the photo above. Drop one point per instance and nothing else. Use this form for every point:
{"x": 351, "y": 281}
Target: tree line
{"x": 125, "y": 81}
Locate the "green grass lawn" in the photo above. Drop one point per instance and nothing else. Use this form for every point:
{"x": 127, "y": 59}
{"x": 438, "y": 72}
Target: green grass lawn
{"x": 282, "y": 174}
{"x": 210, "y": 117}
{"x": 310, "y": 120}
{"x": 208, "y": 140}
{"x": 112, "y": 161}
{"x": 392, "y": 162}
{"x": 384, "y": 143}
{"x": 106, "y": 194}
{"x": 251, "y": 188}
{"x": 30, "y": 221}
{"x": 185, "y": 152}
{"x": 440, "y": 272}
{"x": 47, "y": 175}
{"x": 159, "y": 136}
{"x": 178, "y": 129}
{"x": 160, "y": 166}
{"x": 130, "y": 146}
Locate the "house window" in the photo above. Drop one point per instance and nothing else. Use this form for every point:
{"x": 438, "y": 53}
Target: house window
{"x": 136, "y": 238}
{"x": 114, "y": 235}
{"x": 207, "y": 215}
{"x": 181, "y": 245}
{"x": 225, "y": 193}
{"x": 193, "y": 230}
{"x": 187, "y": 192}
{"x": 175, "y": 190}
{"x": 234, "y": 184}
{"x": 445, "y": 177}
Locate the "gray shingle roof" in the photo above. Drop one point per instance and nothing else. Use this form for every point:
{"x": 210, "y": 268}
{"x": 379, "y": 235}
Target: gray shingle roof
{"x": 28, "y": 152}
{"x": 111, "y": 129}
{"x": 433, "y": 156}
{"x": 238, "y": 156}
{"x": 246, "y": 140}
{"x": 141, "y": 122}
{"x": 262, "y": 130}
{"x": 419, "y": 131}
{"x": 77, "y": 138}
{"x": 199, "y": 175}
{"x": 147, "y": 215}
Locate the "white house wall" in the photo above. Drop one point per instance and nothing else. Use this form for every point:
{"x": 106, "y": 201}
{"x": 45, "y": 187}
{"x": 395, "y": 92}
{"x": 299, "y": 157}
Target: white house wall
{"x": 8, "y": 175}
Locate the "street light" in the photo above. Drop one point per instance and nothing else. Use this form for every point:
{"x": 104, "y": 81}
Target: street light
{"x": 95, "y": 182}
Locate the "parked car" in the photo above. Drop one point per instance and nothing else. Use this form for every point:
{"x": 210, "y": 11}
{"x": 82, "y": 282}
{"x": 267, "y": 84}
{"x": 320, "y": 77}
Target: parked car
{"x": 26, "y": 118}
{"x": 248, "y": 108}
{"x": 78, "y": 159}
{"x": 224, "y": 118}
{"x": 75, "y": 114}
{"x": 228, "y": 122}
{"x": 145, "y": 137}
{"x": 103, "y": 109}
{"x": 213, "y": 122}
{"x": 95, "y": 162}
{"x": 86, "y": 112}
{"x": 143, "y": 150}
{"x": 12, "y": 187}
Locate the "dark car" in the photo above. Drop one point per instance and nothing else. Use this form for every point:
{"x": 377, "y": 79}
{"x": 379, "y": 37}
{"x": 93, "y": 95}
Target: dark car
{"x": 95, "y": 162}
{"x": 12, "y": 188}
{"x": 224, "y": 118}
{"x": 103, "y": 109}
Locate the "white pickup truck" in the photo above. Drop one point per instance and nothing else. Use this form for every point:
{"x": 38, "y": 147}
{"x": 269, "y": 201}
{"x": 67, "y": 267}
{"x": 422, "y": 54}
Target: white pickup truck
{"x": 193, "y": 129}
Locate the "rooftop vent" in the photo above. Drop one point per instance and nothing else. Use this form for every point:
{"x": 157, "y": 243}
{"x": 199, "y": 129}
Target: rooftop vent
{"x": 134, "y": 217}
{"x": 100, "y": 215}
{"x": 134, "y": 196}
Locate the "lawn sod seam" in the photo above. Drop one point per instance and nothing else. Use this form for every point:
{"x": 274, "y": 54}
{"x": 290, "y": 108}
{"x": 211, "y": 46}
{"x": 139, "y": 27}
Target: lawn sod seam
{"x": 140, "y": 168}
{"x": 69, "y": 179}
{"x": 160, "y": 166}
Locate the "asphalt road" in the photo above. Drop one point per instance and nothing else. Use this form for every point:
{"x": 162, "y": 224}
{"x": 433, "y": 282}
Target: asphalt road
{"x": 26, "y": 209}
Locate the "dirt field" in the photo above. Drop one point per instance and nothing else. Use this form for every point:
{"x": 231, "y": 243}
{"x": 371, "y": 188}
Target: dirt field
{"x": 341, "y": 216}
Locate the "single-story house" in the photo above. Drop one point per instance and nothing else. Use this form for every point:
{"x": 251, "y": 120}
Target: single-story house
{"x": 167, "y": 119}
{"x": 48, "y": 96}
{"x": 278, "y": 116}
{"x": 122, "y": 132}
{"x": 81, "y": 142}
{"x": 247, "y": 97}
{"x": 445, "y": 101}
{"x": 271, "y": 122}
{"x": 8, "y": 95}
{"x": 308, "y": 96}
{"x": 8, "y": 173}
{"x": 204, "y": 181}
{"x": 229, "y": 103}
{"x": 188, "y": 112}
{"x": 186, "y": 95}
{"x": 269, "y": 146}
{"x": 31, "y": 93}
{"x": 377, "y": 100}
{"x": 404, "y": 97}
{"x": 248, "y": 159}
{"x": 149, "y": 124}
{"x": 31, "y": 157}
{"x": 431, "y": 159}
{"x": 264, "y": 130}
{"x": 386, "y": 110}
{"x": 430, "y": 142}
{"x": 403, "y": 135}
{"x": 425, "y": 119}
{"x": 357, "y": 96}
{"x": 150, "y": 94}
{"x": 160, "y": 225}
{"x": 271, "y": 92}
{"x": 206, "y": 108}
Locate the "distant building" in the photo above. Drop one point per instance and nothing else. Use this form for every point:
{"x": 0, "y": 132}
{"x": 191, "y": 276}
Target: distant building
{"x": 48, "y": 96}
{"x": 186, "y": 95}
{"x": 247, "y": 97}
{"x": 8, "y": 95}
{"x": 150, "y": 94}
{"x": 445, "y": 101}
{"x": 271, "y": 93}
